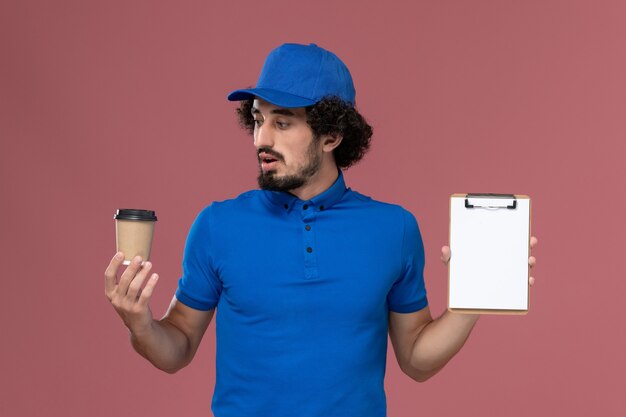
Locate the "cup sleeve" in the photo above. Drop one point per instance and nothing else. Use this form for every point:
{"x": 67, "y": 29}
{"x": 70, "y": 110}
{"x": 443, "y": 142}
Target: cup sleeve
{"x": 408, "y": 293}
{"x": 200, "y": 286}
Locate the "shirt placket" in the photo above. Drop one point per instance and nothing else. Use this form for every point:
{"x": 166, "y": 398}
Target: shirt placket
{"x": 308, "y": 214}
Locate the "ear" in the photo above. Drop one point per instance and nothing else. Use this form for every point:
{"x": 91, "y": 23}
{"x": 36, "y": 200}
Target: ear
{"x": 329, "y": 143}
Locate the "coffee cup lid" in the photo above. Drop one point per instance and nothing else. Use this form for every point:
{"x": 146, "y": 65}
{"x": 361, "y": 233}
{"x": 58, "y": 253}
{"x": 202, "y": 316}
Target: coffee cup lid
{"x": 135, "y": 214}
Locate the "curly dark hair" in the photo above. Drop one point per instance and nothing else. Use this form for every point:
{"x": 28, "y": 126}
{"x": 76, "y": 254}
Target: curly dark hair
{"x": 329, "y": 116}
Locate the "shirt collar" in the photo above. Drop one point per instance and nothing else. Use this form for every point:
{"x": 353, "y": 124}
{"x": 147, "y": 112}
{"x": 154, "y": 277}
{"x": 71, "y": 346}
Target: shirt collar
{"x": 321, "y": 201}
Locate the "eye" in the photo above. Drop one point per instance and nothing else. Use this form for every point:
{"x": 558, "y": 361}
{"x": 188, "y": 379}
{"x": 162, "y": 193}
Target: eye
{"x": 282, "y": 125}
{"x": 258, "y": 122}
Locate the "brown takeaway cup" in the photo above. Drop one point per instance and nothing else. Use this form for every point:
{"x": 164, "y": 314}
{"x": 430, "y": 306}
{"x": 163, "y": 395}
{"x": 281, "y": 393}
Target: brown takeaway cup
{"x": 133, "y": 233}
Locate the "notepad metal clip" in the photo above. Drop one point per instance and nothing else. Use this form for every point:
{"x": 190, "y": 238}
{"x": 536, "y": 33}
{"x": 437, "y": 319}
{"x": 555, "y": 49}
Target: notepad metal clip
{"x": 491, "y": 196}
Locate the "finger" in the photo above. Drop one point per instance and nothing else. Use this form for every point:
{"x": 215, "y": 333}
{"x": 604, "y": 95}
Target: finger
{"x": 532, "y": 261}
{"x": 110, "y": 274}
{"x": 445, "y": 254}
{"x": 533, "y": 242}
{"x": 137, "y": 282}
{"x": 531, "y": 281}
{"x": 146, "y": 294}
{"x": 129, "y": 275}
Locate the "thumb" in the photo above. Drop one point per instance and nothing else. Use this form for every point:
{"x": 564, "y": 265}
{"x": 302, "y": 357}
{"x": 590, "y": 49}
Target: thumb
{"x": 146, "y": 293}
{"x": 445, "y": 254}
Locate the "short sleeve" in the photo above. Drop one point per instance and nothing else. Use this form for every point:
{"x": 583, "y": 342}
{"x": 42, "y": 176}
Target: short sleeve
{"x": 408, "y": 293}
{"x": 199, "y": 287}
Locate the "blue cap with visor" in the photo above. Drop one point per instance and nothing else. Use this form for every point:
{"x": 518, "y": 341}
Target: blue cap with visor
{"x": 297, "y": 75}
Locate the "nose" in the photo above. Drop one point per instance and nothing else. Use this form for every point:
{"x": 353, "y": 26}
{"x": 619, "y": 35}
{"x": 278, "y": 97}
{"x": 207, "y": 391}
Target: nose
{"x": 263, "y": 136}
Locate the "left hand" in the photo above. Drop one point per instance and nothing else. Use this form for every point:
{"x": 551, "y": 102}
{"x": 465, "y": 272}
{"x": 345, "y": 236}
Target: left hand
{"x": 445, "y": 257}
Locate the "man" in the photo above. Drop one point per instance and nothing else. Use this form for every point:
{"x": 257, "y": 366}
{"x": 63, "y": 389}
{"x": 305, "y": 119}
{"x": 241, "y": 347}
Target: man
{"x": 308, "y": 277}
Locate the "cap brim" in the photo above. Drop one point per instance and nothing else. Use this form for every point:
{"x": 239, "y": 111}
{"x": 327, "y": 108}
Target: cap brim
{"x": 277, "y": 98}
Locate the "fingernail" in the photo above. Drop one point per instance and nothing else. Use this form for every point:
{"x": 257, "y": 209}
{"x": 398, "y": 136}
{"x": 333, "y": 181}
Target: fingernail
{"x": 119, "y": 255}
{"x": 137, "y": 259}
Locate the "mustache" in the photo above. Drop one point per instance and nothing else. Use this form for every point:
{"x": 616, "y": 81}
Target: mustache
{"x": 269, "y": 152}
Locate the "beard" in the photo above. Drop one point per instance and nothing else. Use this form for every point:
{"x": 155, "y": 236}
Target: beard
{"x": 270, "y": 181}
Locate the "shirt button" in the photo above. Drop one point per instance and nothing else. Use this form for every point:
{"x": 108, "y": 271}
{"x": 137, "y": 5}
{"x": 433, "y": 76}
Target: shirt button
{"x": 307, "y": 227}
{"x": 309, "y": 249}
{"x": 306, "y": 206}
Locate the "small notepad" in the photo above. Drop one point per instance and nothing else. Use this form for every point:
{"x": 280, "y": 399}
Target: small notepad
{"x": 490, "y": 245}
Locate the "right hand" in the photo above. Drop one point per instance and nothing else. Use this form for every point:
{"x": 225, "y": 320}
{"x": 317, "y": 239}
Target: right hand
{"x": 126, "y": 296}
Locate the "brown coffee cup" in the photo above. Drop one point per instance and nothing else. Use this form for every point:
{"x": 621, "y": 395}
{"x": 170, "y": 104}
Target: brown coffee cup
{"x": 134, "y": 229}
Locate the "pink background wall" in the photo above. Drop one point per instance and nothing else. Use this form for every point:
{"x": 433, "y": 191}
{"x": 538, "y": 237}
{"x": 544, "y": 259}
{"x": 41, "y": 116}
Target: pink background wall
{"x": 122, "y": 104}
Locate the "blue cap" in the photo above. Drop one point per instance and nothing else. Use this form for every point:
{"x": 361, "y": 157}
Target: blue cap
{"x": 300, "y": 75}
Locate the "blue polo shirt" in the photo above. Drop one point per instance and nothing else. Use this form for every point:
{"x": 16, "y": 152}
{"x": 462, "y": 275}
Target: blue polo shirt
{"x": 302, "y": 290}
